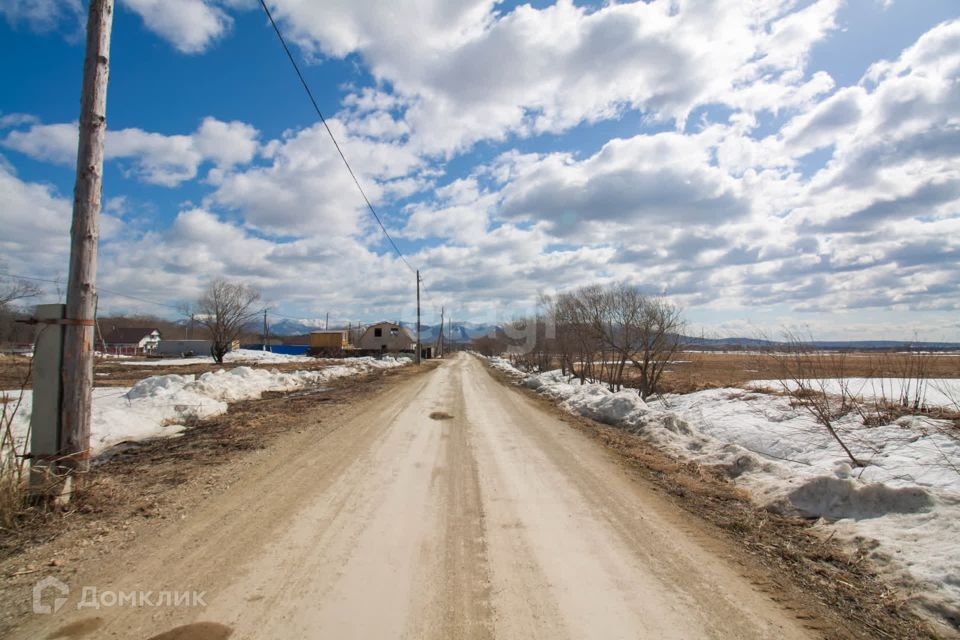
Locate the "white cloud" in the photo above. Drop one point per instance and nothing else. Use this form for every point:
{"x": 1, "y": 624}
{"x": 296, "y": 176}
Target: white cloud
{"x": 306, "y": 189}
{"x": 157, "y": 158}
{"x": 43, "y": 15}
{"x": 36, "y": 223}
{"x": 852, "y": 205}
{"x": 35, "y": 220}
{"x": 189, "y": 25}
{"x": 466, "y": 73}
{"x": 629, "y": 186}
{"x": 461, "y": 213}
{"x": 227, "y": 144}
{"x": 177, "y": 263}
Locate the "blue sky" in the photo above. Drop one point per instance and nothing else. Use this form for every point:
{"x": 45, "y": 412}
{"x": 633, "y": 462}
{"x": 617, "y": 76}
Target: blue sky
{"x": 764, "y": 164}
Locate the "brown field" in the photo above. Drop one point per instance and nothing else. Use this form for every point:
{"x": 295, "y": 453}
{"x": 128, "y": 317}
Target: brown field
{"x": 696, "y": 370}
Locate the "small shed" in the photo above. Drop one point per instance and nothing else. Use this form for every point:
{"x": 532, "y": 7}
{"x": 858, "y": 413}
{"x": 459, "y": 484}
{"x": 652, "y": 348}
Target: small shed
{"x": 337, "y": 339}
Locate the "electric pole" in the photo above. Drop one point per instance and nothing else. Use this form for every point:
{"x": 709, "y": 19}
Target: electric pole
{"x": 77, "y": 368}
{"x": 326, "y": 323}
{"x": 441, "y": 332}
{"x": 418, "y": 316}
{"x": 264, "y": 330}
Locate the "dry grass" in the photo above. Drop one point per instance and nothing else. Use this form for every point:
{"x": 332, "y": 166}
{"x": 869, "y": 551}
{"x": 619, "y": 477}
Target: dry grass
{"x": 695, "y": 371}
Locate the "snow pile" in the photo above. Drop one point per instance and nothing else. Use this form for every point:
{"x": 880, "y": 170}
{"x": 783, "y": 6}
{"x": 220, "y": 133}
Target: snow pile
{"x": 159, "y": 405}
{"x": 263, "y": 357}
{"x": 506, "y": 367}
{"x": 936, "y": 392}
{"x": 249, "y": 356}
{"x": 907, "y": 497}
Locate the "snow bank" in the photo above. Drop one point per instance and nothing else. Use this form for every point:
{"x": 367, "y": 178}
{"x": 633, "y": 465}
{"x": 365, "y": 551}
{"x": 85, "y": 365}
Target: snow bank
{"x": 159, "y": 405}
{"x": 935, "y": 392}
{"x": 250, "y": 356}
{"x": 907, "y": 497}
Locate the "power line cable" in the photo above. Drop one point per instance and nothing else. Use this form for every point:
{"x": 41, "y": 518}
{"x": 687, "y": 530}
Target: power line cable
{"x": 99, "y": 289}
{"x": 316, "y": 107}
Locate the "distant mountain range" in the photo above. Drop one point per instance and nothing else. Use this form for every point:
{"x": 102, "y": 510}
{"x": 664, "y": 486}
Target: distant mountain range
{"x": 463, "y": 332}
{"x": 459, "y": 332}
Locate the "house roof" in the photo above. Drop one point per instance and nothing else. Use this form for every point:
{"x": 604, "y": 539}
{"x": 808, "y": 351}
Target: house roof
{"x": 128, "y": 335}
{"x": 391, "y": 325}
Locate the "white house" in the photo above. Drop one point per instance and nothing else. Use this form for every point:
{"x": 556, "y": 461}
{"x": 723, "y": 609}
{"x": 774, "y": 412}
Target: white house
{"x": 132, "y": 340}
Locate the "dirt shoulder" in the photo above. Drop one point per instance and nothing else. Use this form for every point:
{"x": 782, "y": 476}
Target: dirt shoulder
{"x": 836, "y": 588}
{"x": 147, "y": 485}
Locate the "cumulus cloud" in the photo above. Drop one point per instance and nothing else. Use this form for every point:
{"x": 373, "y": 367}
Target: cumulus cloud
{"x": 466, "y": 72}
{"x": 191, "y": 26}
{"x": 852, "y": 204}
{"x": 35, "y": 218}
{"x": 895, "y": 141}
{"x": 166, "y": 160}
{"x": 637, "y": 184}
{"x": 306, "y": 189}
{"x": 43, "y": 15}
{"x": 176, "y": 264}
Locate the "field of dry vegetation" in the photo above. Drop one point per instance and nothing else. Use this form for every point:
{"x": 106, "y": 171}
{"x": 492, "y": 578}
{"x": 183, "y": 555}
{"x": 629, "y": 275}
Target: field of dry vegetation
{"x": 697, "y": 370}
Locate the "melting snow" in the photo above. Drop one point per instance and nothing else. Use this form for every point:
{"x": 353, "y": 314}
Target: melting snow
{"x": 250, "y": 356}
{"x": 157, "y": 406}
{"x": 907, "y": 497}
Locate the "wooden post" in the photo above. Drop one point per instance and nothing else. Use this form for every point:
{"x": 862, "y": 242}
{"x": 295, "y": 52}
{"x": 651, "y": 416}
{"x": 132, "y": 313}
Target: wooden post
{"x": 77, "y": 372}
{"x": 441, "y": 332}
{"x": 418, "y": 316}
{"x": 264, "y": 330}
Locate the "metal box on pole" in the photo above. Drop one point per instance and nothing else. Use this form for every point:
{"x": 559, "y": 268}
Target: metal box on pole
{"x": 45, "y": 415}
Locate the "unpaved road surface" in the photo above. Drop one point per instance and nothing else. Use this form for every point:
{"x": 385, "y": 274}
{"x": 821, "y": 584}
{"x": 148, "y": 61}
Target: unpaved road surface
{"x": 453, "y": 507}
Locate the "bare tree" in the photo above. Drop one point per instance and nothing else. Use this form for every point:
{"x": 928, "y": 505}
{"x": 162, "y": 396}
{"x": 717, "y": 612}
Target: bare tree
{"x": 620, "y": 325}
{"x": 12, "y": 290}
{"x": 224, "y": 309}
{"x": 658, "y": 338}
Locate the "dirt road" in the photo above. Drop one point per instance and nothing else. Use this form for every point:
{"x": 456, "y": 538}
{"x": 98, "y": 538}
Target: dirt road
{"x": 454, "y": 507}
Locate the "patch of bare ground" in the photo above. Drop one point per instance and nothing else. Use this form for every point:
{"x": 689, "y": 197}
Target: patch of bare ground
{"x": 834, "y": 587}
{"x": 135, "y": 486}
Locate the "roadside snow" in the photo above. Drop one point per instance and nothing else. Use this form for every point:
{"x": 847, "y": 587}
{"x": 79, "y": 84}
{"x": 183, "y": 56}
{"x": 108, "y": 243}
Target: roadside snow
{"x": 907, "y": 498}
{"x": 159, "y": 405}
{"x": 935, "y": 392}
{"x": 249, "y": 356}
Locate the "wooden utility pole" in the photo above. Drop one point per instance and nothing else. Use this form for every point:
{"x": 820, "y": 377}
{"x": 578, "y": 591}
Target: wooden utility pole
{"x": 265, "y": 337}
{"x": 441, "y": 332}
{"x": 77, "y": 368}
{"x": 326, "y": 323}
{"x": 418, "y": 316}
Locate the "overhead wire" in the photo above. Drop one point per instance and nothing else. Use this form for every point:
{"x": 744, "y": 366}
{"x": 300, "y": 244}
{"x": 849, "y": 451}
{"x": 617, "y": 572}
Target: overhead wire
{"x": 103, "y": 289}
{"x": 336, "y": 144}
{"x": 346, "y": 163}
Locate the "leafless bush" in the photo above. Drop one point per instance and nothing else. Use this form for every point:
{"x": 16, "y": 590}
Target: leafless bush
{"x": 604, "y": 331}
{"x": 817, "y": 382}
{"x": 14, "y": 469}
